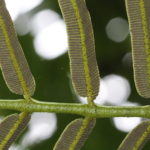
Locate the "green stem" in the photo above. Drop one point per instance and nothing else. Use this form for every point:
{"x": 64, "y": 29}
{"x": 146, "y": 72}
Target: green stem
{"x": 96, "y": 111}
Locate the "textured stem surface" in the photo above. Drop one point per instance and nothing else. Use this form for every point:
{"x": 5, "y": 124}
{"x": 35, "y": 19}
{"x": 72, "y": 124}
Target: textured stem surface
{"x": 79, "y": 109}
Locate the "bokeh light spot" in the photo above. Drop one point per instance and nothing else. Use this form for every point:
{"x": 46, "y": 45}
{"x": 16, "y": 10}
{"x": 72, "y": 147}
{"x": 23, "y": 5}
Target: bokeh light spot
{"x": 118, "y": 89}
{"x": 41, "y": 127}
{"x": 42, "y": 20}
{"x": 51, "y": 42}
{"x": 126, "y": 124}
{"x": 17, "y": 7}
{"x": 22, "y": 24}
{"x": 102, "y": 96}
{"x": 117, "y": 29}
{"x": 114, "y": 90}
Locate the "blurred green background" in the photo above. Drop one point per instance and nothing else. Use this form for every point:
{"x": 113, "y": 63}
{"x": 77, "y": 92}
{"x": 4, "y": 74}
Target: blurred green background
{"x": 33, "y": 19}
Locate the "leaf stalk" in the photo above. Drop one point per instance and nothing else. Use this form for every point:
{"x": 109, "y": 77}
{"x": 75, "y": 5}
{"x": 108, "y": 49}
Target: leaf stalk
{"x": 96, "y": 111}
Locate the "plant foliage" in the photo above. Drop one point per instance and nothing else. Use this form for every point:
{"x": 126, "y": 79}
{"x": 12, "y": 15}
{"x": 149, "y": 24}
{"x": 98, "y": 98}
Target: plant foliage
{"x": 83, "y": 63}
{"x": 84, "y": 71}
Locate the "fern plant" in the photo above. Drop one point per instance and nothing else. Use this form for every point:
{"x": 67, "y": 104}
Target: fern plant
{"x": 85, "y": 78}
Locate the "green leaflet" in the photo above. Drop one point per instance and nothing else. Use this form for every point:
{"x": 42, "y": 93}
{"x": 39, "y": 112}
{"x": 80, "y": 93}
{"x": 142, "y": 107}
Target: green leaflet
{"x": 84, "y": 70}
{"x": 75, "y": 134}
{"x": 11, "y": 127}
{"x": 12, "y": 60}
{"x": 139, "y": 20}
{"x": 17, "y": 76}
{"x": 136, "y": 139}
